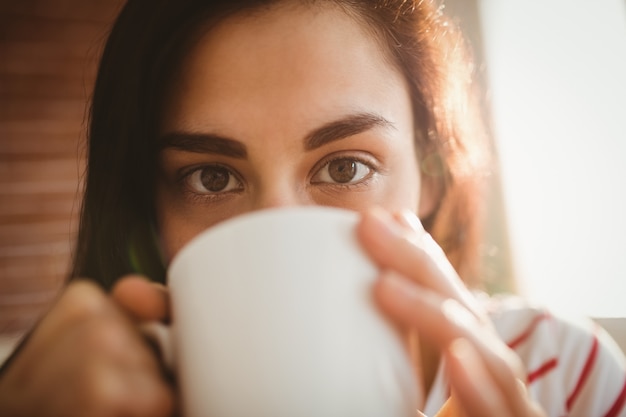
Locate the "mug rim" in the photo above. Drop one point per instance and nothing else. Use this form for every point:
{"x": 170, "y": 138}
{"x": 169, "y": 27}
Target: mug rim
{"x": 248, "y": 217}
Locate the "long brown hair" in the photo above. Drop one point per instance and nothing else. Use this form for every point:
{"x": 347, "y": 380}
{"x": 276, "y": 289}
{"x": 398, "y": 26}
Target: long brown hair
{"x": 117, "y": 232}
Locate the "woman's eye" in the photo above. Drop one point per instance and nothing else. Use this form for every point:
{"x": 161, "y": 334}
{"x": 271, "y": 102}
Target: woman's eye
{"x": 343, "y": 171}
{"x": 213, "y": 179}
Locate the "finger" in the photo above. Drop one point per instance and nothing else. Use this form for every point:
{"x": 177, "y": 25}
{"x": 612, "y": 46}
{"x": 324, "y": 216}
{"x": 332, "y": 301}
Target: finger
{"x": 73, "y": 306}
{"x": 442, "y": 320}
{"x": 146, "y": 395}
{"x": 90, "y": 345}
{"x": 142, "y": 299}
{"x": 450, "y": 409}
{"x": 434, "y": 317}
{"x": 121, "y": 374}
{"x": 408, "y": 220}
{"x": 472, "y": 385}
{"x": 79, "y": 300}
{"x": 413, "y": 254}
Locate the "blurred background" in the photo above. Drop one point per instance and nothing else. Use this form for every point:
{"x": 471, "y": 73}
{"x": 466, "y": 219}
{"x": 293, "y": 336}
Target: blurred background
{"x": 554, "y": 82}
{"x": 48, "y": 55}
{"x": 553, "y": 76}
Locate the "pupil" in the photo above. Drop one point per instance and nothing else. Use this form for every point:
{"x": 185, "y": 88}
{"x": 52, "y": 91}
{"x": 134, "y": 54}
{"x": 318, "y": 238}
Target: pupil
{"x": 215, "y": 178}
{"x": 342, "y": 170}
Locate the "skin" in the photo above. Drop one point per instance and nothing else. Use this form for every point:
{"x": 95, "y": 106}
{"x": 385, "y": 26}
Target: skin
{"x": 248, "y": 82}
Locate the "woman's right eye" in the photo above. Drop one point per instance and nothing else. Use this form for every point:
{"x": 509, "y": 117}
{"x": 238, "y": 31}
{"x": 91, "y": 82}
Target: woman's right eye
{"x": 213, "y": 179}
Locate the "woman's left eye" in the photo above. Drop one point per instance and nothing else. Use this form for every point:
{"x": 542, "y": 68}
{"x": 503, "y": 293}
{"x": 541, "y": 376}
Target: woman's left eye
{"x": 342, "y": 171}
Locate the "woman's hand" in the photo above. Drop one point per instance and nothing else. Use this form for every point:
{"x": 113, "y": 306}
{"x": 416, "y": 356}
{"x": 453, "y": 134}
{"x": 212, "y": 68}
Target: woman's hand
{"x": 87, "y": 358}
{"x": 420, "y": 290}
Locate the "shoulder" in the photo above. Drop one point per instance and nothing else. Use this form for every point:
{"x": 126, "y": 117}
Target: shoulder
{"x": 573, "y": 366}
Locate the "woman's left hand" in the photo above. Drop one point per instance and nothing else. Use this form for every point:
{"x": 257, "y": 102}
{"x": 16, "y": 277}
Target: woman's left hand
{"x": 419, "y": 289}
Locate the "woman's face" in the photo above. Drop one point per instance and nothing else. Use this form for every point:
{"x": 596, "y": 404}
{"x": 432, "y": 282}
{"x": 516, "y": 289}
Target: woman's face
{"x": 291, "y": 105}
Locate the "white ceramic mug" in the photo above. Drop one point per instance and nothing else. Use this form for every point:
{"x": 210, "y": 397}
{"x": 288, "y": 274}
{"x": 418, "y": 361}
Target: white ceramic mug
{"x": 273, "y": 317}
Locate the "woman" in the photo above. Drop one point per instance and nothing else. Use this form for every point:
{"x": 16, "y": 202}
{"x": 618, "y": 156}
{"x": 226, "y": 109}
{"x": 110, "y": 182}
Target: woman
{"x": 206, "y": 110}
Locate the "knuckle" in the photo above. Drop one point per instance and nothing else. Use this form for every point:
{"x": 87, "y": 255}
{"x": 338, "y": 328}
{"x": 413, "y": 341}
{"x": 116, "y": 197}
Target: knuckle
{"x": 114, "y": 392}
{"x": 159, "y": 402}
{"x": 106, "y": 336}
{"x": 511, "y": 366}
{"x": 101, "y": 392}
{"x": 515, "y": 366}
{"x": 536, "y": 410}
{"x": 83, "y": 300}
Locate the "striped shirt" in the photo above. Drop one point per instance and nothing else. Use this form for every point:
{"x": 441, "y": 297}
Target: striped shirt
{"x": 573, "y": 367}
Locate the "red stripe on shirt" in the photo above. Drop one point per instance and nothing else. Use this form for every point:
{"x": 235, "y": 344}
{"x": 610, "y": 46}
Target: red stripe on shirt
{"x": 542, "y": 370}
{"x": 618, "y": 405}
{"x": 528, "y": 331}
{"x": 591, "y": 358}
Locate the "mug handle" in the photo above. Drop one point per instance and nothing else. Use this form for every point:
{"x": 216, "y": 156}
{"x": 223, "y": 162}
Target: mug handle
{"x": 161, "y": 335}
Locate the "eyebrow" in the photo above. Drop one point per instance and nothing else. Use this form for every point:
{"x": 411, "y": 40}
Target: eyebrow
{"x": 204, "y": 143}
{"x": 343, "y": 128}
{"x": 215, "y": 144}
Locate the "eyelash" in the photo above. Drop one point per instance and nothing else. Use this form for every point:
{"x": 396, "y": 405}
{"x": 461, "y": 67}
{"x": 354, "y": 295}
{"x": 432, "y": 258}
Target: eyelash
{"x": 186, "y": 174}
{"x": 368, "y": 162}
{"x": 185, "y": 177}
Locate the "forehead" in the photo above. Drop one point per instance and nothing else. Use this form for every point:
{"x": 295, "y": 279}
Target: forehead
{"x": 319, "y": 56}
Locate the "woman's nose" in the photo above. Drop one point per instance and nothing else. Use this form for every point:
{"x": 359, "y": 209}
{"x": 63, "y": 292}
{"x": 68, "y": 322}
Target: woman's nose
{"x": 280, "y": 196}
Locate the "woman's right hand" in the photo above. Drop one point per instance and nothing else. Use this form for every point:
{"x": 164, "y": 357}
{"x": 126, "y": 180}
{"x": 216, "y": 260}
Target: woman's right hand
{"x": 87, "y": 358}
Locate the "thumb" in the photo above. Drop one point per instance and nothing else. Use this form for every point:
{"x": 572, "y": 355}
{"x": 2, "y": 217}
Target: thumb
{"x": 142, "y": 299}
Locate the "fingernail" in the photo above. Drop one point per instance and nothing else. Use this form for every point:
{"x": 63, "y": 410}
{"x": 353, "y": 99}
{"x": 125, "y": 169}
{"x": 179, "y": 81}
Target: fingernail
{"x": 411, "y": 220}
{"x": 458, "y": 314}
{"x": 521, "y": 386}
{"x": 461, "y": 349}
{"x": 386, "y": 227}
